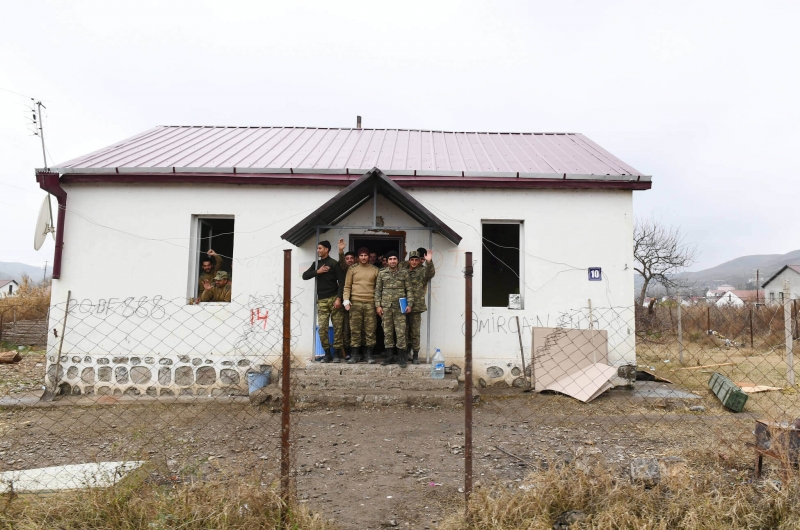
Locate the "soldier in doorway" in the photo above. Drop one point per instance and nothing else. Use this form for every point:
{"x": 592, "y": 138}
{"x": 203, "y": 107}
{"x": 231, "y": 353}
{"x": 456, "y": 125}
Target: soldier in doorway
{"x": 359, "y": 301}
{"x": 207, "y": 270}
{"x": 373, "y": 260}
{"x": 330, "y": 283}
{"x": 220, "y": 292}
{"x": 346, "y": 260}
{"x": 392, "y": 285}
{"x": 419, "y": 277}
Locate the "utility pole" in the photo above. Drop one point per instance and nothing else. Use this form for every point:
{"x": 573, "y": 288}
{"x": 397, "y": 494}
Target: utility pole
{"x": 758, "y": 286}
{"x": 44, "y": 274}
{"x": 41, "y": 131}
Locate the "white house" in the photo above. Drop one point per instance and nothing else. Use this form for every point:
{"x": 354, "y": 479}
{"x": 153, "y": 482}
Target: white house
{"x": 773, "y": 288}
{"x": 737, "y": 298}
{"x": 548, "y": 216}
{"x": 8, "y": 288}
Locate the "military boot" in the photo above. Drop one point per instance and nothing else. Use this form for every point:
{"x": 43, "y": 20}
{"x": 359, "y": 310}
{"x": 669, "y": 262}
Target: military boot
{"x": 408, "y": 353}
{"x": 415, "y": 357}
{"x": 402, "y": 358}
{"x": 335, "y": 355}
{"x": 328, "y": 357}
{"x": 370, "y": 360}
{"x": 390, "y": 357}
{"x": 353, "y": 355}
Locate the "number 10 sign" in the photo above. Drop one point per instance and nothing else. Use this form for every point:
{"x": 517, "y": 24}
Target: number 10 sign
{"x": 595, "y": 274}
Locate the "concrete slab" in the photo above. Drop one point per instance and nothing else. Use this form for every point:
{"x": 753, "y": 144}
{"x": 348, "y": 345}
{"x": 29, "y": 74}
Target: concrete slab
{"x": 653, "y": 389}
{"x": 57, "y": 478}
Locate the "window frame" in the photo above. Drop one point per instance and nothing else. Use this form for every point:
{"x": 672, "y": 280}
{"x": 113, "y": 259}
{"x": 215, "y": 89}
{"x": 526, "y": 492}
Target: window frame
{"x": 521, "y": 265}
{"x": 194, "y": 249}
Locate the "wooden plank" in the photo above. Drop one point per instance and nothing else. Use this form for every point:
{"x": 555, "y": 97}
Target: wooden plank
{"x": 704, "y": 366}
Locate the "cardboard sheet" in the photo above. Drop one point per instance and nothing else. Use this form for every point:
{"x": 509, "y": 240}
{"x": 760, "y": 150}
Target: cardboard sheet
{"x": 559, "y": 352}
{"x": 750, "y": 388}
{"x": 587, "y": 383}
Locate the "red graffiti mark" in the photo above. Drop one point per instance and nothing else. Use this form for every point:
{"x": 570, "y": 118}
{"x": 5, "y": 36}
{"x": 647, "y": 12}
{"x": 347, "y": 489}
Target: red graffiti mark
{"x": 255, "y": 316}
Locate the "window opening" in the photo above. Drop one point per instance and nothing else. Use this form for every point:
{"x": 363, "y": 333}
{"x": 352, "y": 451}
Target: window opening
{"x": 213, "y": 233}
{"x": 501, "y": 263}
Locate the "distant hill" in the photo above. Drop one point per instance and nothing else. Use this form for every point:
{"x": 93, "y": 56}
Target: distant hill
{"x": 14, "y": 271}
{"x": 737, "y": 272}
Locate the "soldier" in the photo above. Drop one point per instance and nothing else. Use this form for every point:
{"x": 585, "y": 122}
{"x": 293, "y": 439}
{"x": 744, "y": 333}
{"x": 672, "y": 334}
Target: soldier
{"x": 392, "y": 285}
{"x": 373, "y": 260}
{"x": 330, "y": 283}
{"x": 207, "y": 270}
{"x": 346, "y": 260}
{"x": 359, "y": 301}
{"x": 419, "y": 276}
{"x": 220, "y": 292}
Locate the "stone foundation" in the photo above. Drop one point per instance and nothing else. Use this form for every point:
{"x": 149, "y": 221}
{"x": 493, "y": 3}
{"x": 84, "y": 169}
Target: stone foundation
{"x": 162, "y": 375}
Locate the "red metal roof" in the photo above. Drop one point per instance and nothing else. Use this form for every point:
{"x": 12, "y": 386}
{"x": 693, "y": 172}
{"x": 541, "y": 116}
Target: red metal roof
{"x": 248, "y": 150}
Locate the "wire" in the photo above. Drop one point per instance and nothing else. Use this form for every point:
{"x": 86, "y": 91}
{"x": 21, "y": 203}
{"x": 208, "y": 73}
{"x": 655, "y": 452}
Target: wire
{"x": 13, "y": 92}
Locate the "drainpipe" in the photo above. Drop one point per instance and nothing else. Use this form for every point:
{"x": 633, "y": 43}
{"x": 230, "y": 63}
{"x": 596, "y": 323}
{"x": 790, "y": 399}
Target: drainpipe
{"x": 50, "y": 183}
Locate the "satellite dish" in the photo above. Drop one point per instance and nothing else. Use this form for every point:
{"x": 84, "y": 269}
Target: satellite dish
{"x": 44, "y": 225}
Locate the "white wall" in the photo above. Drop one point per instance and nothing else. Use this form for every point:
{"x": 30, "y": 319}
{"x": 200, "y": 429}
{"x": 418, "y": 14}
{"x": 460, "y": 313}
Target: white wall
{"x": 10, "y": 289}
{"x": 124, "y": 241}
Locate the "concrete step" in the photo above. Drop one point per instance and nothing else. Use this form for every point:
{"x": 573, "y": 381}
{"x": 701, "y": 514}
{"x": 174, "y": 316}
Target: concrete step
{"x": 309, "y": 399}
{"x": 375, "y": 370}
{"x": 370, "y": 382}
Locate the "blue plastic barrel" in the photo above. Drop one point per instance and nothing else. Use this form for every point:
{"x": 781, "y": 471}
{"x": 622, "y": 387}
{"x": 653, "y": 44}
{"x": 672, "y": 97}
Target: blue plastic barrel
{"x": 256, "y": 380}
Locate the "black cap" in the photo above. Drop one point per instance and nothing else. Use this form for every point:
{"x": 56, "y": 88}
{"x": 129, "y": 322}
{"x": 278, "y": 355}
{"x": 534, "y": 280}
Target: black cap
{"x": 391, "y": 254}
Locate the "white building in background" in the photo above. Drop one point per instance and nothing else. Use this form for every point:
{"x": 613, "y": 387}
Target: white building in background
{"x": 773, "y": 288}
{"x": 547, "y": 216}
{"x": 8, "y": 288}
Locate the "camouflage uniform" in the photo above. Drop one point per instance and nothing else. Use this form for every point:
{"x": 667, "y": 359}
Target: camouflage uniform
{"x": 346, "y": 318}
{"x": 208, "y": 275}
{"x": 325, "y": 311}
{"x": 363, "y": 317}
{"x": 389, "y": 288}
{"x": 419, "y": 279}
{"x": 217, "y": 294}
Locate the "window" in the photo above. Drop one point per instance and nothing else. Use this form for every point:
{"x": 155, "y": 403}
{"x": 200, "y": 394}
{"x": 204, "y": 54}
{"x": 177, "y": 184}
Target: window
{"x": 210, "y": 233}
{"x": 501, "y": 263}
{"x": 780, "y": 295}
{"x": 771, "y": 295}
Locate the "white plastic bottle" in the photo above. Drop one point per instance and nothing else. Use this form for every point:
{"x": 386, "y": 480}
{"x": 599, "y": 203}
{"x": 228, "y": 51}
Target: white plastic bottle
{"x": 437, "y": 365}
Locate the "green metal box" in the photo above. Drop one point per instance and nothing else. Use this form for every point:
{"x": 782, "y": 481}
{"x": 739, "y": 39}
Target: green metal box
{"x": 727, "y": 391}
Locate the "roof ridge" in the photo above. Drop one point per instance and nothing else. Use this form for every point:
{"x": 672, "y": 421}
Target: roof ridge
{"x": 537, "y": 133}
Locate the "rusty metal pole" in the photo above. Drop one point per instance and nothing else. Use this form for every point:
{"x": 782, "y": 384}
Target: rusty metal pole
{"x": 286, "y": 384}
{"x": 468, "y": 382}
{"x": 751, "y": 327}
{"x": 708, "y": 319}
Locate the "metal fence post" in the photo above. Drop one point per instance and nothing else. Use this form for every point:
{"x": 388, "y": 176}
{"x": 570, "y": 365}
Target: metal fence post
{"x": 751, "y": 327}
{"x": 787, "y": 320}
{"x": 680, "y": 332}
{"x": 286, "y": 384}
{"x": 467, "y": 382}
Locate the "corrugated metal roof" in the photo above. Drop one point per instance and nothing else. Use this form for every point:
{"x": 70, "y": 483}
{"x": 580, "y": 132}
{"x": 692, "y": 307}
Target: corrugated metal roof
{"x": 337, "y": 151}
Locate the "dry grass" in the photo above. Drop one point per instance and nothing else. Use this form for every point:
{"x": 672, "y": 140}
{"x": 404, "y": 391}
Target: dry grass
{"x": 141, "y": 503}
{"x": 706, "y": 496}
{"x": 31, "y": 302}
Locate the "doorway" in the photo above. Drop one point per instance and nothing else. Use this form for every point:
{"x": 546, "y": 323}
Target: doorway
{"x": 381, "y": 245}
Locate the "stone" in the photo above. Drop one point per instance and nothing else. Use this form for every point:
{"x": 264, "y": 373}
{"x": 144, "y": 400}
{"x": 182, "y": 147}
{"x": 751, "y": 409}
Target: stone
{"x": 520, "y": 382}
{"x": 72, "y": 372}
{"x": 186, "y": 392}
{"x": 132, "y": 391}
{"x": 121, "y": 374}
{"x": 63, "y": 358}
{"x": 165, "y": 362}
{"x": 120, "y": 360}
{"x": 151, "y": 391}
{"x": 136, "y": 360}
{"x": 627, "y": 371}
{"x": 141, "y": 375}
{"x": 164, "y": 376}
{"x": 243, "y": 362}
{"x": 197, "y": 362}
{"x": 266, "y": 394}
{"x": 87, "y": 376}
{"x": 528, "y": 371}
{"x": 227, "y": 363}
{"x": 456, "y": 369}
{"x": 104, "y": 391}
{"x": 76, "y": 359}
{"x": 167, "y": 392}
{"x": 697, "y": 408}
{"x": 183, "y": 358}
{"x": 206, "y": 375}
{"x": 201, "y": 392}
{"x": 645, "y": 471}
{"x": 117, "y": 392}
{"x": 87, "y": 359}
{"x": 149, "y": 360}
{"x": 569, "y": 518}
{"x": 229, "y": 377}
{"x": 76, "y": 390}
{"x": 671, "y": 466}
{"x": 64, "y": 389}
{"x": 184, "y": 375}
{"x": 88, "y": 390}
{"x": 209, "y": 361}
{"x": 494, "y": 372}
{"x": 104, "y": 374}
{"x": 516, "y": 371}
{"x": 102, "y": 361}
{"x": 481, "y": 382}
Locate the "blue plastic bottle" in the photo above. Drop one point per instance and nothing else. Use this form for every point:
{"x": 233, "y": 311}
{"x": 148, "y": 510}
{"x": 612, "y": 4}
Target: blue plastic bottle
{"x": 437, "y": 365}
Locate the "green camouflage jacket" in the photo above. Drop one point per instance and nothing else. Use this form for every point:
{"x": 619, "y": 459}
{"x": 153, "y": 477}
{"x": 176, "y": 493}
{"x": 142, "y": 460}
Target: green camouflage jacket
{"x": 391, "y": 287}
{"x": 419, "y": 279}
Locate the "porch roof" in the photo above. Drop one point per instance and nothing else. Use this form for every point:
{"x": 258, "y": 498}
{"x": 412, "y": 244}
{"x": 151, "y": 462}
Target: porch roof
{"x": 362, "y": 190}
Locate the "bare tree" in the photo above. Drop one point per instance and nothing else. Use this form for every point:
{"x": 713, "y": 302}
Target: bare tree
{"x": 659, "y": 252}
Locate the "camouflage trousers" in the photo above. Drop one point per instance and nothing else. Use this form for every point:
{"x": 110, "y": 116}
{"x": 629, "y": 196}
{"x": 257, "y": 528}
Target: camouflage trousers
{"x": 325, "y": 312}
{"x": 414, "y": 326}
{"x": 346, "y": 328}
{"x": 363, "y": 320}
{"x": 394, "y": 327}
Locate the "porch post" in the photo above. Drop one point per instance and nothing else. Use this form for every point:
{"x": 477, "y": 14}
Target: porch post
{"x": 314, "y": 323}
{"x": 428, "y": 331}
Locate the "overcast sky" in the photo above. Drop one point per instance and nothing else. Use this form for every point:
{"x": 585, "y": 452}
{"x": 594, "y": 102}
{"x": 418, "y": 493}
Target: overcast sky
{"x": 704, "y": 96}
